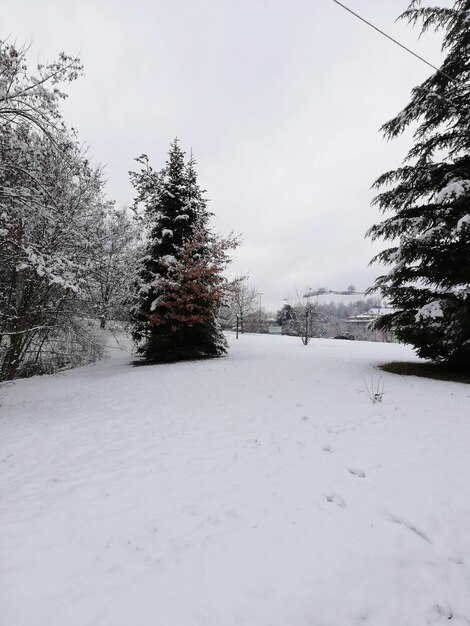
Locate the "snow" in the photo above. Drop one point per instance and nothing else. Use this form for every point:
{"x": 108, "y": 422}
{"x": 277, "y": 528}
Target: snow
{"x": 154, "y": 303}
{"x": 453, "y": 190}
{"x": 432, "y": 309}
{"x": 463, "y": 221}
{"x": 168, "y": 259}
{"x": 260, "y": 489}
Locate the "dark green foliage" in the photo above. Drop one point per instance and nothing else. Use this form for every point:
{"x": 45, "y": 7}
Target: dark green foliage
{"x": 180, "y": 286}
{"x": 164, "y": 345}
{"x": 429, "y": 282}
{"x": 286, "y": 314}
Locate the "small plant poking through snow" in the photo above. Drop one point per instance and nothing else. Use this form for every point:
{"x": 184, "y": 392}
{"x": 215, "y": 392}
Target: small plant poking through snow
{"x": 376, "y": 389}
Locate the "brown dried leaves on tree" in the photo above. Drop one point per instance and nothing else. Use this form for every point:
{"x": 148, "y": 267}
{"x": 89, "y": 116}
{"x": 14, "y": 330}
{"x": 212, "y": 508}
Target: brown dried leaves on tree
{"x": 194, "y": 287}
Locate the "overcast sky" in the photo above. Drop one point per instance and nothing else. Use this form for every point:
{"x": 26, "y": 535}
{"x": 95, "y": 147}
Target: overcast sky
{"x": 280, "y": 100}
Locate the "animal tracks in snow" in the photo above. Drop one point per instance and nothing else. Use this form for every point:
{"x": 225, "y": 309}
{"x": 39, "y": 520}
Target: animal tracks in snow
{"x": 356, "y": 472}
{"x": 403, "y": 522}
{"x": 334, "y": 498}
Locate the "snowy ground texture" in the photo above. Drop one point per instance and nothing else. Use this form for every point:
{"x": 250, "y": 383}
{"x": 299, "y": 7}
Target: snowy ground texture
{"x": 262, "y": 489}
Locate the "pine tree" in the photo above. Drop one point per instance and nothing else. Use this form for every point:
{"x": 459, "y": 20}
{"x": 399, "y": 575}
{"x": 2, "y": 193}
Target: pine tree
{"x": 428, "y": 284}
{"x": 181, "y": 286}
{"x": 285, "y": 315}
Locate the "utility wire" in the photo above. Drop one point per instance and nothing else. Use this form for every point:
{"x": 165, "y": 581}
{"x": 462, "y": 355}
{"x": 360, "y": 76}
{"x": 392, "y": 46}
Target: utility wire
{"x": 359, "y": 17}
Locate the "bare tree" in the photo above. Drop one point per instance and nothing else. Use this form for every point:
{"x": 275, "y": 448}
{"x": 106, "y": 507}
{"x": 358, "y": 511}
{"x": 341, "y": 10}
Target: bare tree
{"x": 109, "y": 286}
{"x": 53, "y": 217}
{"x": 306, "y": 320}
{"x": 32, "y": 100}
{"x": 301, "y": 318}
{"x": 241, "y": 302}
{"x": 52, "y": 222}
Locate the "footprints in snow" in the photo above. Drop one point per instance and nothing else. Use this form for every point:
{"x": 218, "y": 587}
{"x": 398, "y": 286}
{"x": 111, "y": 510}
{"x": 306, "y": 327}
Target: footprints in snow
{"x": 334, "y": 498}
{"x": 403, "y": 522}
{"x": 356, "y": 472}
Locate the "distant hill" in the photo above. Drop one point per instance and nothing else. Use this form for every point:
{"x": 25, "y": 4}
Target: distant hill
{"x": 340, "y": 297}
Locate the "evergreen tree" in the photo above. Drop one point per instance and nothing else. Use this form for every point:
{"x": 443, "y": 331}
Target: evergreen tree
{"x": 428, "y": 284}
{"x": 181, "y": 286}
{"x": 284, "y": 315}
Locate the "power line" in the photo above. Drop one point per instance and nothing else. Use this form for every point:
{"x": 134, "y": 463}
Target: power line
{"x": 359, "y": 17}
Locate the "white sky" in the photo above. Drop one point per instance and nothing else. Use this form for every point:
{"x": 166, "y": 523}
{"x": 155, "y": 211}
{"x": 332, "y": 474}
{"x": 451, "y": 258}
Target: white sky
{"x": 281, "y": 102}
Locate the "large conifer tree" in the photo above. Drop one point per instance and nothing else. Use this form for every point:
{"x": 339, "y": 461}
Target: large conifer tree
{"x": 428, "y": 284}
{"x": 180, "y": 285}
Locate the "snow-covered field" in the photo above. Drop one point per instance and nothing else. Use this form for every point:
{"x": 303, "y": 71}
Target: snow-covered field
{"x": 262, "y": 489}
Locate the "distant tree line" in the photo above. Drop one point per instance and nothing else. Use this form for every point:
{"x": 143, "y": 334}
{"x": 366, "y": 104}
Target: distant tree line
{"x": 324, "y": 319}
{"x": 339, "y": 310}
